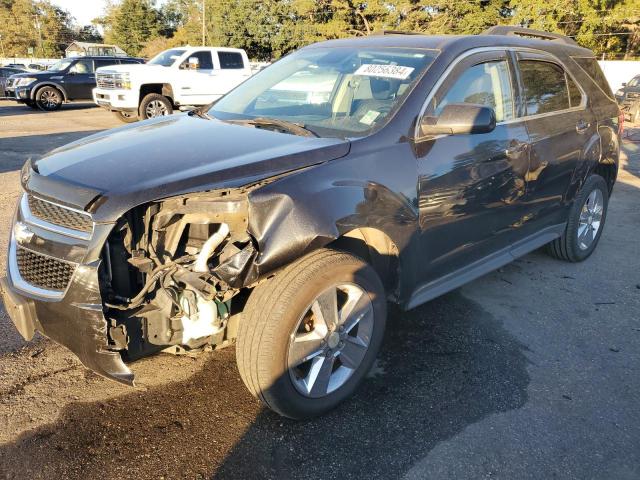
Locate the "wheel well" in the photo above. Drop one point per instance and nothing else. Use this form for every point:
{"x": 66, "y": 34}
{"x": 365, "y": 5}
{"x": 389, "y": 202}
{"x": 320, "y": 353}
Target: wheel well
{"x": 608, "y": 171}
{"x": 163, "y": 89}
{"x": 377, "y": 249}
{"x": 52, "y": 85}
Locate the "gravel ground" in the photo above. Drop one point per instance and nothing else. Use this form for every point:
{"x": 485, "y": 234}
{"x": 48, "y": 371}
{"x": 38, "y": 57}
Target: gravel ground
{"x": 529, "y": 372}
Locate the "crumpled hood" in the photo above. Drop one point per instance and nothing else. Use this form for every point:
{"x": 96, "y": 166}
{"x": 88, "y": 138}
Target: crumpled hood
{"x": 168, "y": 156}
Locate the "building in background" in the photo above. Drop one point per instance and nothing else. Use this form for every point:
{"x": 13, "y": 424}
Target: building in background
{"x": 81, "y": 49}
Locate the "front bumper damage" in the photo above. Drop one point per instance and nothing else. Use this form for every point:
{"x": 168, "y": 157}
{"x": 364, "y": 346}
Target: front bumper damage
{"x": 73, "y": 317}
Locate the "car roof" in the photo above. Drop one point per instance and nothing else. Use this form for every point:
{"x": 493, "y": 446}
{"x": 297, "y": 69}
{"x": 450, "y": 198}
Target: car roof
{"x": 454, "y": 42}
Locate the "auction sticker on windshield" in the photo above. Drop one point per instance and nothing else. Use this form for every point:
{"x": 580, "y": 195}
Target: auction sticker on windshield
{"x": 388, "y": 71}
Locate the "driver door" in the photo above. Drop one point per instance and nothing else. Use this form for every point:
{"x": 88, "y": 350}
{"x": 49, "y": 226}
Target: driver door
{"x": 80, "y": 80}
{"x": 471, "y": 186}
{"x": 197, "y": 80}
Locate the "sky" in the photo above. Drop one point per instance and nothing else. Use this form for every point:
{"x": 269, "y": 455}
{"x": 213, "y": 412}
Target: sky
{"x": 84, "y": 10}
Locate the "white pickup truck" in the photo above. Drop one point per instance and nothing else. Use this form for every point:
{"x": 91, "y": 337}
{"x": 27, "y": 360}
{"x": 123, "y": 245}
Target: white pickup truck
{"x": 176, "y": 78}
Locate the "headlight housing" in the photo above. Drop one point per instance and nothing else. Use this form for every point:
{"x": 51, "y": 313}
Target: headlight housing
{"x": 24, "y": 81}
{"x": 619, "y": 93}
{"x": 122, "y": 80}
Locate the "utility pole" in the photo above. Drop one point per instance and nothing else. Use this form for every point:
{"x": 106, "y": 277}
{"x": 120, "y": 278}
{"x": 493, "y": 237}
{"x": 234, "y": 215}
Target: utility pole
{"x": 37, "y": 25}
{"x": 204, "y": 16}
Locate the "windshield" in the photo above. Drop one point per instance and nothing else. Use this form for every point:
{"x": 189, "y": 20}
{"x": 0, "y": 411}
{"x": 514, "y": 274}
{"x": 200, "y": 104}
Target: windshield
{"x": 330, "y": 91}
{"x": 634, "y": 82}
{"x": 167, "y": 58}
{"x": 60, "y": 65}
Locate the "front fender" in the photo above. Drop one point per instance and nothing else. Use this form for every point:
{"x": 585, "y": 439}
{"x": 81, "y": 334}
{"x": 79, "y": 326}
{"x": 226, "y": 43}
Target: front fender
{"x": 308, "y": 210}
{"x": 48, "y": 83}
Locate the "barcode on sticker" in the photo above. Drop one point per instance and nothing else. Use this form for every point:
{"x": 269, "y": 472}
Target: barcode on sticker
{"x": 388, "y": 71}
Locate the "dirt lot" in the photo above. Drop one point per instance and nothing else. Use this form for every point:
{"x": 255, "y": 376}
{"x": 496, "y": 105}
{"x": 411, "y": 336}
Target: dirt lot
{"x": 529, "y": 372}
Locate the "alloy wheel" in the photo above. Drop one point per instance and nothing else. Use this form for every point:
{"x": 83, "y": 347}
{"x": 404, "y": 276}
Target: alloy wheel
{"x": 156, "y": 108}
{"x": 330, "y": 340}
{"x": 590, "y": 219}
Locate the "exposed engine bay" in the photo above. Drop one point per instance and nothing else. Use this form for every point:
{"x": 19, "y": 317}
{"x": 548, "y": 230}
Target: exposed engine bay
{"x": 167, "y": 273}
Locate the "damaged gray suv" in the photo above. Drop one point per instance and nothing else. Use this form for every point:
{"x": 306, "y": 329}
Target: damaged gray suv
{"x": 284, "y": 217}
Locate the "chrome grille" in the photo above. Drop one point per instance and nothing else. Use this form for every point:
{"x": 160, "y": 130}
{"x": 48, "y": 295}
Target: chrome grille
{"x": 633, "y": 95}
{"x": 57, "y": 215}
{"x": 106, "y": 80}
{"x": 43, "y": 271}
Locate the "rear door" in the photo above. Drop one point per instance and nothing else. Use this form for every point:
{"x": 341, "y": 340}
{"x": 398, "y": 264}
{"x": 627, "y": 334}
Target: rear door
{"x": 471, "y": 187}
{"x": 233, "y": 70}
{"x": 559, "y": 125}
{"x": 80, "y": 79}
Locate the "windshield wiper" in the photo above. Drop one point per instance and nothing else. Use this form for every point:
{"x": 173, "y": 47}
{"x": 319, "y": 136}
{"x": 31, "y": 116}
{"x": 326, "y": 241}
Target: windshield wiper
{"x": 199, "y": 112}
{"x": 295, "y": 128}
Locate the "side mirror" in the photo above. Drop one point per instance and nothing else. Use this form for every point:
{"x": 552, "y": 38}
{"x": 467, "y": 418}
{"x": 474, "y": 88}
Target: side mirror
{"x": 193, "y": 62}
{"x": 624, "y": 84}
{"x": 460, "y": 118}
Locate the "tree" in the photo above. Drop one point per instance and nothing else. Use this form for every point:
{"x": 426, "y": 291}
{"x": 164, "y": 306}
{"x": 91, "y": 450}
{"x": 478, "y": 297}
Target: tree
{"x": 131, "y": 23}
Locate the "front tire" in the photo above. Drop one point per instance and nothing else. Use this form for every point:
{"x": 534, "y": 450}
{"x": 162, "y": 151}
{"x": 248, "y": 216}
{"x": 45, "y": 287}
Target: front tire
{"x": 126, "y": 117}
{"x": 309, "y": 335}
{"x": 49, "y": 99}
{"x": 154, "y": 105}
{"x": 585, "y": 224}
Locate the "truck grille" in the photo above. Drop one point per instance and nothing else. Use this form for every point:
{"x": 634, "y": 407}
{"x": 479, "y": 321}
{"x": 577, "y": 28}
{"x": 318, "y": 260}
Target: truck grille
{"x": 57, "y": 215}
{"x": 633, "y": 95}
{"x": 106, "y": 80}
{"x": 43, "y": 271}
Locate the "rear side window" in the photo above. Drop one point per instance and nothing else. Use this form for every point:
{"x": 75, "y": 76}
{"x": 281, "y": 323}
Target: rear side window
{"x": 545, "y": 87}
{"x": 591, "y": 67}
{"x": 486, "y": 84}
{"x": 575, "y": 95}
{"x": 230, "y": 60}
{"x": 104, "y": 63}
{"x": 127, "y": 61}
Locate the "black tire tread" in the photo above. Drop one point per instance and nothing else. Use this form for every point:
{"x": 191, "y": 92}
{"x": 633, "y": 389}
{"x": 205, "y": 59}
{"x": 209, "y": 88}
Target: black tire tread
{"x": 561, "y": 248}
{"x": 254, "y": 340}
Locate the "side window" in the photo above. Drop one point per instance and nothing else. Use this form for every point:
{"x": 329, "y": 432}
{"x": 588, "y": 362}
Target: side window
{"x": 486, "y": 84}
{"x": 575, "y": 95}
{"x": 104, "y": 63}
{"x": 230, "y": 60}
{"x": 127, "y": 61}
{"x": 591, "y": 67}
{"x": 82, "y": 66}
{"x": 545, "y": 86}
{"x": 205, "y": 61}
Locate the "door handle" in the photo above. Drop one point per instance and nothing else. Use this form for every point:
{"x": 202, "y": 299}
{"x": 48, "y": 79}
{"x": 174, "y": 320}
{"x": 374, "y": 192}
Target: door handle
{"x": 582, "y": 126}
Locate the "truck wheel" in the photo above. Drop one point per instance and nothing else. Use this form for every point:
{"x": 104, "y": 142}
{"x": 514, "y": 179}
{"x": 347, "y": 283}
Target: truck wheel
{"x": 126, "y": 117}
{"x": 586, "y": 222}
{"x": 49, "y": 99}
{"x": 155, "y": 105}
{"x": 309, "y": 335}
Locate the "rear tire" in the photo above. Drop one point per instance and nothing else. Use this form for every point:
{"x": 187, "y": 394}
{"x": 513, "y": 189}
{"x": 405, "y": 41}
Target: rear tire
{"x": 154, "y": 105}
{"x": 287, "y": 313}
{"x": 49, "y": 99}
{"x": 126, "y": 117}
{"x": 585, "y": 224}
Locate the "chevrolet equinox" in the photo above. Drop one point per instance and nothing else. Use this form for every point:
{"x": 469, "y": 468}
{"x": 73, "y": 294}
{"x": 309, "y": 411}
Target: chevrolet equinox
{"x": 284, "y": 217}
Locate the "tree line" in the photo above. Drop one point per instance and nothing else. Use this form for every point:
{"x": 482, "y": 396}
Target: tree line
{"x": 268, "y": 29}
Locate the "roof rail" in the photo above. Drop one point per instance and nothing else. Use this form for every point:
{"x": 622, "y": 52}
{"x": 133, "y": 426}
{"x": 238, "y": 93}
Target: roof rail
{"x": 395, "y": 32}
{"x": 528, "y": 32}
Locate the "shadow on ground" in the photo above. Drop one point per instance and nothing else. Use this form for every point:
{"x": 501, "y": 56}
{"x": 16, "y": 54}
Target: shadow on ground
{"x": 14, "y": 109}
{"x": 14, "y": 151}
{"x": 444, "y": 366}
